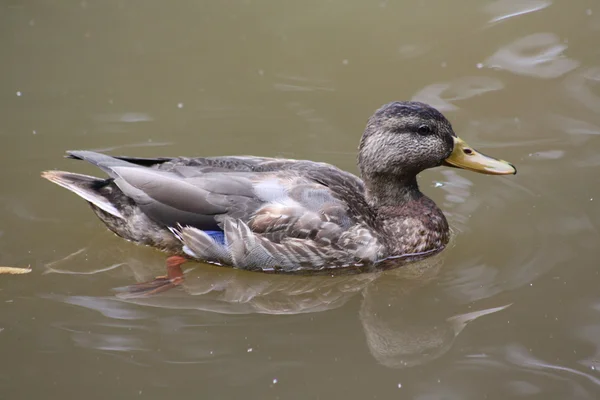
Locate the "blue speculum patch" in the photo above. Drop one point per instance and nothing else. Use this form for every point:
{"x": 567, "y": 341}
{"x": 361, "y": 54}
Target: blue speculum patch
{"x": 217, "y": 236}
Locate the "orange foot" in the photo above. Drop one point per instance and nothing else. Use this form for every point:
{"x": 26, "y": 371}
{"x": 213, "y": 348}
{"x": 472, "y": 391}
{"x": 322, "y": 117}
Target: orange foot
{"x": 173, "y": 278}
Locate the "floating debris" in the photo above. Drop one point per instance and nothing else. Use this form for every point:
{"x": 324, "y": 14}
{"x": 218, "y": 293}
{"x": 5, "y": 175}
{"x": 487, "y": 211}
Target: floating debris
{"x": 14, "y": 270}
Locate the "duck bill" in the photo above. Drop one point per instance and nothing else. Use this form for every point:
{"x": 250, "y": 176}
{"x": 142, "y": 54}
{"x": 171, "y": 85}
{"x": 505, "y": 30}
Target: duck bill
{"x": 465, "y": 157}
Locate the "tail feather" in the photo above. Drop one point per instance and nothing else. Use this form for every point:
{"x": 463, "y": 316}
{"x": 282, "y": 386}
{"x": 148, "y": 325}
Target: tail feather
{"x": 84, "y": 186}
{"x": 102, "y": 161}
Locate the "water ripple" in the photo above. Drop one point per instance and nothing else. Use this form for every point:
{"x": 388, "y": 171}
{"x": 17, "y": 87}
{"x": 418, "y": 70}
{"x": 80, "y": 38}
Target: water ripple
{"x": 501, "y": 10}
{"x": 519, "y": 355}
{"x": 535, "y": 376}
{"x": 107, "y": 306}
{"x": 579, "y": 86}
{"x": 441, "y": 95}
{"x": 539, "y": 55}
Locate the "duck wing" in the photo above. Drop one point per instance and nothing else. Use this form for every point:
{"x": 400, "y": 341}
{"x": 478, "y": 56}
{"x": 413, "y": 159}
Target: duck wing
{"x": 270, "y": 212}
{"x": 281, "y": 198}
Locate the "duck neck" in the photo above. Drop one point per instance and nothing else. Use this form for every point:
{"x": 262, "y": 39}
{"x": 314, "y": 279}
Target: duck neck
{"x": 392, "y": 191}
{"x": 412, "y": 221}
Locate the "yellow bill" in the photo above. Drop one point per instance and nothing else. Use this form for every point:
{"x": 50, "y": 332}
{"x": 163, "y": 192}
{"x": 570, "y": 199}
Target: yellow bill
{"x": 465, "y": 157}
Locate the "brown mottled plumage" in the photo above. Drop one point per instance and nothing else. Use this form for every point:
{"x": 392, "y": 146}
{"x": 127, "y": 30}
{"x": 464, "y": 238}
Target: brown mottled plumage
{"x": 272, "y": 214}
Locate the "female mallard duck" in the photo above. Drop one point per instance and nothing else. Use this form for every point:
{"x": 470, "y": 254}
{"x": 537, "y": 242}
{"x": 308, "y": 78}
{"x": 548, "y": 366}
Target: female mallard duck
{"x": 279, "y": 215}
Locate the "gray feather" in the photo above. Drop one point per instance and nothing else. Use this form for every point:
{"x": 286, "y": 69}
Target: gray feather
{"x": 85, "y": 187}
{"x": 102, "y": 161}
{"x": 201, "y": 246}
{"x": 283, "y": 215}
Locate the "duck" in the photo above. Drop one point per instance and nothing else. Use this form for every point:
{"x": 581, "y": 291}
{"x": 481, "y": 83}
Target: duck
{"x": 284, "y": 215}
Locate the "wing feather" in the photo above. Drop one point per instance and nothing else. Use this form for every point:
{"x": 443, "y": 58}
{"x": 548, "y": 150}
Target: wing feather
{"x": 275, "y": 213}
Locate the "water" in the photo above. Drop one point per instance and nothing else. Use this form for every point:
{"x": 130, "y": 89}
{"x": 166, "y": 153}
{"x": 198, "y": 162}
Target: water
{"x": 510, "y": 310}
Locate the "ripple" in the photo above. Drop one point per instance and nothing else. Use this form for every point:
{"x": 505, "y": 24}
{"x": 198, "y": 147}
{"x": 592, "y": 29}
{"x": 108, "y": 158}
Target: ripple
{"x": 590, "y": 333}
{"x": 519, "y": 355}
{"x": 579, "y": 86}
{"x": 575, "y": 126}
{"x": 548, "y": 154}
{"x": 107, "y": 306}
{"x": 580, "y": 132}
{"x": 128, "y": 117}
{"x": 318, "y": 125}
{"x": 293, "y": 83}
{"x": 535, "y": 376}
{"x": 539, "y": 55}
{"x": 501, "y": 10}
{"x": 441, "y": 95}
{"x": 523, "y": 388}
{"x": 110, "y": 342}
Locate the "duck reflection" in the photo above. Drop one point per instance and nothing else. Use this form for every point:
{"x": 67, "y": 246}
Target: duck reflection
{"x": 401, "y": 336}
{"x": 231, "y": 291}
{"x": 401, "y": 329}
{"x": 403, "y": 323}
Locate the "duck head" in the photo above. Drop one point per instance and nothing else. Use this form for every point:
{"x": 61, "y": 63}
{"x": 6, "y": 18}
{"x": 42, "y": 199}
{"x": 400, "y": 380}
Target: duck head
{"x": 404, "y": 138}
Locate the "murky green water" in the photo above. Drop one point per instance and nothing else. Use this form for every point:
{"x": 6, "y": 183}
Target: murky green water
{"x": 511, "y": 310}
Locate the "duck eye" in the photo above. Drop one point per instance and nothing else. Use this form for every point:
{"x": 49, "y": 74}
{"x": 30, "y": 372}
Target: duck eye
{"x": 424, "y": 130}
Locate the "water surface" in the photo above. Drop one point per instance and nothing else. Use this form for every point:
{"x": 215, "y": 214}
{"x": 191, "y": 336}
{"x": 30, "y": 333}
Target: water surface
{"x": 510, "y": 310}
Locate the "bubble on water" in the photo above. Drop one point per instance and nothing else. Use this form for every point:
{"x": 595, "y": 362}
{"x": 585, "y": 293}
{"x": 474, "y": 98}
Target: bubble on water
{"x": 274, "y": 381}
{"x": 34, "y": 132}
{"x": 249, "y": 350}
{"x": 19, "y": 94}
{"x": 479, "y": 65}
{"x": 345, "y": 62}
{"x": 399, "y": 385}
{"x": 179, "y": 105}
{"x": 588, "y": 11}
